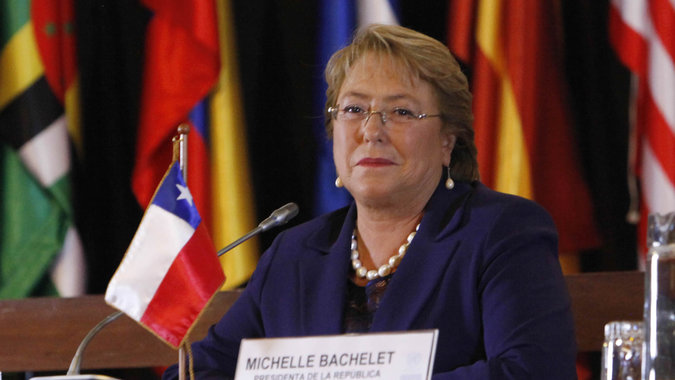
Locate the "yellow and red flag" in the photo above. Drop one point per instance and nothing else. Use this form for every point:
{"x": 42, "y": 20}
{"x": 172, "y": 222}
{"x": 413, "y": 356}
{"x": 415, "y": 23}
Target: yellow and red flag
{"x": 523, "y": 123}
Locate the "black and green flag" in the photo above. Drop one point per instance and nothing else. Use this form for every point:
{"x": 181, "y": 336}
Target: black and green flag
{"x": 38, "y": 84}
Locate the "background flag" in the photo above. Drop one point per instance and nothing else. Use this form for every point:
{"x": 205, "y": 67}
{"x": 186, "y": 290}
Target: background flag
{"x": 170, "y": 271}
{"x": 643, "y": 36}
{"x": 338, "y": 21}
{"x": 232, "y": 203}
{"x": 185, "y": 61}
{"x": 524, "y": 133}
{"x": 37, "y": 77}
{"x": 181, "y": 67}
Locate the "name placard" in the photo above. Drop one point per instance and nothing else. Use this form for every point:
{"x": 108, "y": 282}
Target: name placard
{"x": 389, "y": 356}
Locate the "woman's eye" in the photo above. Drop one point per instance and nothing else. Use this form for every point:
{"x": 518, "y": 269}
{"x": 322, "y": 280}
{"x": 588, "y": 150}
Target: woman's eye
{"x": 353, "y": 109}
{"x": 403, "y": 112}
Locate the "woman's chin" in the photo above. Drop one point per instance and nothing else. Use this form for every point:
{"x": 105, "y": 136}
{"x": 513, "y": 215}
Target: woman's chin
{"x": 376, "y": 194}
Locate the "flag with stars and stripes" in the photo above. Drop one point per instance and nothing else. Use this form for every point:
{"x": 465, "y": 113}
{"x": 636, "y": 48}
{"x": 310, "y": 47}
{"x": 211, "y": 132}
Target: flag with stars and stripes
{"x": 643, "y": 35}
{"x": 39, "y": 247}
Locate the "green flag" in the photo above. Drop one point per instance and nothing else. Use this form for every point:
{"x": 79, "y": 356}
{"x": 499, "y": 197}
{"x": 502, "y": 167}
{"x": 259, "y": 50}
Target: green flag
{"x": 36, "y": 76}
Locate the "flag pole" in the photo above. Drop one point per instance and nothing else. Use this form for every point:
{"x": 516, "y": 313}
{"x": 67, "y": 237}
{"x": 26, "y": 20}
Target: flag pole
{"x": 181, "y": 363}
{"x": 180, "y": 153}
{"x": 180, "y": 149}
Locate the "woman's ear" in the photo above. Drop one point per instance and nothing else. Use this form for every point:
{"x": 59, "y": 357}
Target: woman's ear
{"x": 448, "y": 141}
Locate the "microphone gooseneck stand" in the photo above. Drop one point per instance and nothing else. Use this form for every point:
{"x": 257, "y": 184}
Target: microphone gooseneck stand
{"x": 279, "y": 217}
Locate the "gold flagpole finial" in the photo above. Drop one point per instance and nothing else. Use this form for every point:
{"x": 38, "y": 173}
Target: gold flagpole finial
{"x": 180, "y": 148}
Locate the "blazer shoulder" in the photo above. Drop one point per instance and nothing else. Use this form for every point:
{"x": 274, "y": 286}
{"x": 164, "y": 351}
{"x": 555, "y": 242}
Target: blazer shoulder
{"x": 496, "y": 201}
{"x": 318, "y": 233}
{"x": 326, "y": 222}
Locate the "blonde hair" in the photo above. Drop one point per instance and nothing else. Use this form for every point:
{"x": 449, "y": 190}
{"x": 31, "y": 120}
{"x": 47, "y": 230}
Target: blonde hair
{"x": 424, "y": 58}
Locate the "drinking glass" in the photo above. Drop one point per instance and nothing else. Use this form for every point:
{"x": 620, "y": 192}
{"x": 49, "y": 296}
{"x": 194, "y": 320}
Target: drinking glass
{"x": 659, "y": 312}
{"x": 622, "y": 350}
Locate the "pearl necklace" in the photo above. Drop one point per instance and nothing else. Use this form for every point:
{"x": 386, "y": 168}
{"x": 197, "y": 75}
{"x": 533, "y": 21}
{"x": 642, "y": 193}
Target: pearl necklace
{"x": 385, "y": 268}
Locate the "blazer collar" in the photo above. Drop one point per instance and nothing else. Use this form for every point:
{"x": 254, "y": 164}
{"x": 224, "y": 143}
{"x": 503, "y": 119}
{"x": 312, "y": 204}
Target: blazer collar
{"x": 442, "y": 215}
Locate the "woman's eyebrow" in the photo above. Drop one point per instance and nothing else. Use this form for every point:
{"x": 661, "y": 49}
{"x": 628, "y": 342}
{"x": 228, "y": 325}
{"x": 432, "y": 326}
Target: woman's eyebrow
{"x": 388, "y": 98}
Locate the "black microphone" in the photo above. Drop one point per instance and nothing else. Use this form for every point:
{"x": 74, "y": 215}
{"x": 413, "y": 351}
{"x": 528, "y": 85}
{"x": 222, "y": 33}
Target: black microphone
{"x": 279, "y": 217}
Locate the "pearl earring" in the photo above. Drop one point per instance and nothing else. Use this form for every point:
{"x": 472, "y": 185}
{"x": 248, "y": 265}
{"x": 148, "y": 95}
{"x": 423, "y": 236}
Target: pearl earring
{"x": 338, "y": 182}
{"x": 449, "y": 183}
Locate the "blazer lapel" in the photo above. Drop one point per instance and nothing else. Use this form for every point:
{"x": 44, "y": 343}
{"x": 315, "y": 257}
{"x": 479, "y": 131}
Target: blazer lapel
{"x": 425, "y": 262}
{"x": 325, "y": 271}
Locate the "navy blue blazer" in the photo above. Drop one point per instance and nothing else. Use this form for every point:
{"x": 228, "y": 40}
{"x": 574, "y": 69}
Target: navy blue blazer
{"x": 483, "y": 269}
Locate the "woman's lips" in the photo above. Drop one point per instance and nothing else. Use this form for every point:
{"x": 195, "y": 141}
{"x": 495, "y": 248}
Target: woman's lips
{"x": 374, "y": 162}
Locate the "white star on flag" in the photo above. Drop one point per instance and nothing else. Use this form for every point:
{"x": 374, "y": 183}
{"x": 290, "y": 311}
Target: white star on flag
{"x": 184, "y": 194}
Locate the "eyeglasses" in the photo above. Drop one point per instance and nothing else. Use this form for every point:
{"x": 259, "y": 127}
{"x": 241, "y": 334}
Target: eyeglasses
{"x": 396, "y": 115}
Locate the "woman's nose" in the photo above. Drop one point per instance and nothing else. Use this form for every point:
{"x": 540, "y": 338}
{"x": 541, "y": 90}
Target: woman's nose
{"x": 373, "y": 127}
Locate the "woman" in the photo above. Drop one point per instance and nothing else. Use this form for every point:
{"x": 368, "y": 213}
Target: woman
{"x": 424, "y": 244}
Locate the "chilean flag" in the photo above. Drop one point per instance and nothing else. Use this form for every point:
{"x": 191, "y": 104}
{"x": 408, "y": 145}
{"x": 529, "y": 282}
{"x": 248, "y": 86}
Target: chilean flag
{"x": 170, "y": 270}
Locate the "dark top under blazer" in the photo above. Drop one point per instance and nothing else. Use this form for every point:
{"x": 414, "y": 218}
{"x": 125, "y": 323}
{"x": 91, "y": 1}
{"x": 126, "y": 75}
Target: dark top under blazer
{"x": 483, "y": 269}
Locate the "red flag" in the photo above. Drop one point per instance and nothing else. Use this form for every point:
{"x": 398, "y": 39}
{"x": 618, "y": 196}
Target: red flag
{"x": 55, "y": 37}
{"x": 523, "y": 126}
{"x": 181, "y": 67}
{"x": 643, "y": 35}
